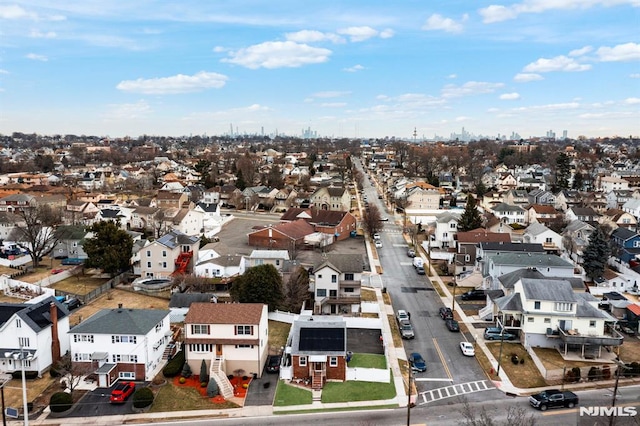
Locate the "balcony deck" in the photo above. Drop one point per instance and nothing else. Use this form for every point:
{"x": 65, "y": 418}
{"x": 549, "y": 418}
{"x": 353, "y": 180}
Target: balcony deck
{"x": 572, "y": 337}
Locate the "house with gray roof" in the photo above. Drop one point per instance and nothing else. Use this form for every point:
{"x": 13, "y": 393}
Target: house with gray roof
{"x": 499, "y": 264}
{"x": 537, "y": 233}
{"x": 336, "y": 282}
{"x": 121, "y": 343}
{"x": 547, "y": 312}
{"x": 509, "y": 214}
{"x": 38, "y": 330}
{"x": 172, "y": 253}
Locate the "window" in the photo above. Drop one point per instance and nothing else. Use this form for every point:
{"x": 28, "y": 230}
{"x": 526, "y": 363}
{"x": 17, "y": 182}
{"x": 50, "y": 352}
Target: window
{"x": 81, "y": 357}
{"x": 548, "y": 240}
{"x": 536, "y": 305}
{"x": 321, "y": 292}
{"x": 334, "y": 278}
{"x": 83, "y": 338}
{"x": 592, "y": 323}
{"x": 18, "y": 323}
{"x": 164, "y": 264}
{"x": 200, "y": 347}
{"x": 453, "y": 226}
{"x": 124, "y": 358}
{"x": 530, "y": 319}
{"x": 563, "y": 306}
{"x": 277, "y": 262}
{"x": 445, "y": 235}
{"x": 124, "y": 339}
{"x": 244, "y": 346}
{"x": 349, "y": 290}
{"x": 348, "y": 277}
{"x": 333, "y": 361}
{"x": 148, "y": 253}
{"x": 636, "y": 244}
{"x": 148, "y": 264}
{"x": 547, "y": 320}
{"x": 319, "y": 276}
{"x": 126, "y": 375}
{"x": 244, "y": 329}
{"x": 303, "y": 361}
{"x": 164, "y": 253}
{"x": 199, "y": 329}
{"x": 23, "y": 342}
{"x": 159, "y": 326}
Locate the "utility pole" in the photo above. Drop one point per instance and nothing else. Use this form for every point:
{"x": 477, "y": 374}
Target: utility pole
{"x": 453, "y": 299}
{"x": 620, "y": 365}
{"x": 409, "y": 394}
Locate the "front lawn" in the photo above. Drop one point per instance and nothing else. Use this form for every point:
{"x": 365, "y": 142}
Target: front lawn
{"x": 525, "y": 375}
{"x": 291, "y": 395}
{"x": 357, "y": 391}
{"x": 368, "y": 361}
{"x": 179, "y": 398}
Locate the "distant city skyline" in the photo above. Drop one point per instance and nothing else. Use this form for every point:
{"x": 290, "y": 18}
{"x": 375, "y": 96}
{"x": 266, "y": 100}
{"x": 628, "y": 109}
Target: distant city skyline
{"x": 354, "y": 69}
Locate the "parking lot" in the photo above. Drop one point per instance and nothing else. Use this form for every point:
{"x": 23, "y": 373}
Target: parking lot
{"x": 233, "y": 237}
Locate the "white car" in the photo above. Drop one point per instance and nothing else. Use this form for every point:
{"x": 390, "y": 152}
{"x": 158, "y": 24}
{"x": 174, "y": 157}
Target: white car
{"x": 376, "y": 236}
{"x": 378, "y": 244}
{"x": 467, "y": 349}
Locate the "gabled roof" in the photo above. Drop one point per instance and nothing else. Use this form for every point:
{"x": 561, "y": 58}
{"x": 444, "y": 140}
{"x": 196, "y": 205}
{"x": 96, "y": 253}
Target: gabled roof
{"x": 294, "y": 230}
{"x": 544, "y": 209}
{"x": 208, "y": 207}
{"x": 319, "y": 335}
{"x": 508, "y": 280}
{"x": 546, "y": 289}
{"x": 269, "y": 254}
{"x": 512, "y": 302}
{"x": 482, "y": 235}
{"x": 37, "y": 316}
{"x": 175, "y": 238}
{"x": 635, "y": 309}
{"x": 537, "y": 228}
{"x": 511, "y": 247}
{"x": 224, "y": 313}
{"x": 530, "y": 259}
{"x": 336, "y": 191}
{"x": 343, "y": 263}
{"x": 583, "y": 211}
{"x": 624, "y": 234}
{"x": 505, "y": 208}
{"x": 447, "y": 217}
{"x": 136, "y": 322}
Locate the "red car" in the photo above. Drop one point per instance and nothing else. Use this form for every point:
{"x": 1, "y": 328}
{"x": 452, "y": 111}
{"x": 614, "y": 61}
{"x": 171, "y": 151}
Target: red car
{"x": 121, "y": 392}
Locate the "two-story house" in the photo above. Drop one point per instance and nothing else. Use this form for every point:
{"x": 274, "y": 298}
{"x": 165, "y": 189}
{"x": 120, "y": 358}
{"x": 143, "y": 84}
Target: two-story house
{"x": 71, "y": 242}
{"x": 575, "y": 238}
{"x": 266, "y": 257}
{"x": 34, "y": 333}
{"x": 8, "y": 222}
{"x": 121, "y": 343}
{"x": 17, "y": 202}
{"x": 585, "y": 214}
{"x": 543, "y": 213}
{"x": 146, "y": 218}
{"x": 510, "y": 214}
{"x": 467, "y": 242}
{"x": 615, "y": 218}
{"x": 548, "y": 313}
{"x": 78, "y": 212}
{"x": 446, "y": 228}
{"x": 336, "y": 282}
{"x": 632, "y": 207}
{"x": 423, "y": 196}
{"x": 537, "y": 233}
{"x": 173, "y": 253}
{"x": 229, "y": 337}
{"x": 332, "y": 198}
{"x": 625, "y": 244}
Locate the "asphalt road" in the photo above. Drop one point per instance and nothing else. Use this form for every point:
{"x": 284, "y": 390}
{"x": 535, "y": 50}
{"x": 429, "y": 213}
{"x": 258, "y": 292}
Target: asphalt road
{"x": 446, "y": 365}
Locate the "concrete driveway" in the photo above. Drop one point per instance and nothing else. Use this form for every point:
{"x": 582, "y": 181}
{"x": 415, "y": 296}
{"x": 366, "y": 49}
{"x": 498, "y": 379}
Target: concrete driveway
{"x": 258, "y": 394}
{"x": 364, "y": 341}
{"x": 96, "y": 403}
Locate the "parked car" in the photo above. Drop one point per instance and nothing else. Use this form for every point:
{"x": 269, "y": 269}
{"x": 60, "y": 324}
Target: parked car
{"x": 411, "y": 253}
{"x": 417, "y": 261}
{"x": 72, "y": 303}
{"x": 553, "y": 398}
{"x": 406, "y": 329}
{"x": 445, "y": 313}
{"x": 417, "y": 362}
{"x": 474, "y": 295}
{"x": 467, "y": 349}
{"x": 121, "y": 392}
{"x": 378, "y": 244}
{"x": 402, "y": 315}
{"x": 273, "y": 363}
{"x": 376, "y": 236}
{"x": 496, "y": 333}
{"x": 420, "y": 270}
{"x": 452, "y": 325}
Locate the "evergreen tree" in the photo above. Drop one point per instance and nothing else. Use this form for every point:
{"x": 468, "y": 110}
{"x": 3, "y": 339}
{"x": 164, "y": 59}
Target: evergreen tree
{"x": 563, "y": 171}
{"x": 110, "y": 248}
{"x": 596, "y": 254}
{"x": 470, "y": 218}
{"x": 260, "y": 284}
{"x": 240, "y": 183}
{"x": 204, "y": 373}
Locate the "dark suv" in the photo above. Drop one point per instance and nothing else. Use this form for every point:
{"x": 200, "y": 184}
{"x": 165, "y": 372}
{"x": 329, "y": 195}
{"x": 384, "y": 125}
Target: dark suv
{"x": 445, "y": 313}
{"x": 474, "y": 295}
{"x": 273, "y": 364}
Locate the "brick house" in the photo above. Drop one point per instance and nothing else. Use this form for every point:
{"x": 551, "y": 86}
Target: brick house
{"x": 336, "y": 223}
{"x": 317, "y": 349}
{"x": 284, "y": 236}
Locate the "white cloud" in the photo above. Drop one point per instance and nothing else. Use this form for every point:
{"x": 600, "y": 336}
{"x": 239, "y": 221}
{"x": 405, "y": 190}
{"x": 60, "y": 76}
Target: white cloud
{"x": 334, "y": 104}
{"x": 354, "y": 68}
{"x": 452, "y": 76}
{"x": 462, "y": 118}
{"x": 581, "y": 51}
{"x": 559, "y": 63}
{"x": 498, "y": 13}
{"x": 493, "y": 110}
{"x": 219, "y": 49}
{"x": 15, "y": 12}
{"x": 330, "y": 94}
{"x": 278, "y": 54}
{"x": 3, "y": 71}
{"x": 510, "y": 96}
{"x": 175, "y": 84}
{"x": 438, "y": 22}
{"x": 128, "y": 111}
{"x": 549, "y": 107}
{"x": 38, "y": 34}
{"x": 527, "y": 77}
{"x": 36, "y": 57}
{"x": 311, "y": 36}
{"x": 357, "y": 34}
{"x": 619, "y": 53}
{"x": 387, "y": 33}
{"x": 635, "y": 75}
{"x": 469, "y": 88}
{"x": 632, "y": 101}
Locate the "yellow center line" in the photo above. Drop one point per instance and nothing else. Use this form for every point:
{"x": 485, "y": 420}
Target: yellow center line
{"x": 444, "y": 363}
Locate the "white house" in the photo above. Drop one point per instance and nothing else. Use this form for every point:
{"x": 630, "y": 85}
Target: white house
{"x": 509, "y": 214}
{"x": 446, "y": 228}
{"x": 229, "y": 337}
{"x": 336, "y": 283}
{"x": 266, "y": 257}
{"x": 121, "y": 343}
{"x": 220, "y": 267}
{"x": 537, "y": 233}
{"x": 38, "y": 330}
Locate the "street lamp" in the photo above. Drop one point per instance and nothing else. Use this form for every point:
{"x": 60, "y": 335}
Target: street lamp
{"x": 409, "y": 394}
{"x": 453, "y": 301}
{"x": 501, "y": 345}
{"x": 4, "y": 379}
{"x": 620, "y": 365}
{"x": 20, "y": 356}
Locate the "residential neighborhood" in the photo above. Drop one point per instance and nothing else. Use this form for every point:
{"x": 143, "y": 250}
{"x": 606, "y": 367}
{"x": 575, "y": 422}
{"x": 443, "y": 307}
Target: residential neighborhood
{"x": 242, "y": 274}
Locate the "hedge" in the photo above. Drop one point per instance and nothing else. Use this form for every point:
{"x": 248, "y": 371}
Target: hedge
{"x": 30, "y": 375}
{"x": 143, "y": 397}
{"x": 174, "y": 367}
{"x": 60, "y": 401}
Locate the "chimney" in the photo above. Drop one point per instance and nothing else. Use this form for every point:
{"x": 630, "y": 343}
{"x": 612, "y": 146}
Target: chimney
{"x": 55, "y": 342}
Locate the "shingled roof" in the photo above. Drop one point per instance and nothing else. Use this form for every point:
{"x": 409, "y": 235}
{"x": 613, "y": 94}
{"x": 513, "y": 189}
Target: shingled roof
{"x": 224, "y": 313}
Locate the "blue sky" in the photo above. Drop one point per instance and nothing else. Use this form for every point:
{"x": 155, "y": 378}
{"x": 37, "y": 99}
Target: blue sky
{"x": 342, "y": 68}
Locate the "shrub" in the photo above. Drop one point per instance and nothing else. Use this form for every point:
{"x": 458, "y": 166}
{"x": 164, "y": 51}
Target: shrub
{"x": 186, "y": 370}
{"x": 594, "y": 373}
{"x": 174, "y": 367}
{"x": 60, "y": 401}
{"x": 245, "y": 386}
{"x": 54, "y": 373}
{"x": 203, "y": 384}
{"x": 142, "y": 397}
{"x": 204, "y": 373}
{"x": 576, "y": 374}
{"x": 182, "y": 380}
{"x": 606, "y": 372}
{"x": 27, "y": 375}
{"x": 212, "y": 388}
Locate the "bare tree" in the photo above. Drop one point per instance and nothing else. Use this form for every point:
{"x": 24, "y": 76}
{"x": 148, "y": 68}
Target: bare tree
{"x": 37, "y": 233}
{"x": 72, "y": 373}
{"x": 296, "y": 290}
{"x": 371, "y": 219}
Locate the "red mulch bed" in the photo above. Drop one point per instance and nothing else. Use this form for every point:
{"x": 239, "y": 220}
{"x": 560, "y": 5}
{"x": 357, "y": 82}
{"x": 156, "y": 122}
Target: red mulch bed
{"x": 194, "y": 382}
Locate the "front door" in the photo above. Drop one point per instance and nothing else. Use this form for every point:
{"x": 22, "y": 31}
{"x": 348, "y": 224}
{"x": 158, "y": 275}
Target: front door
{"x": 218, "y": 350}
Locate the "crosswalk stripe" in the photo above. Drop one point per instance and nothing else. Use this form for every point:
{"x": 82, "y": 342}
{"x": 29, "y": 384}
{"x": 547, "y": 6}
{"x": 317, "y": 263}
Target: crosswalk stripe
{"x": 454, "y": 390}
